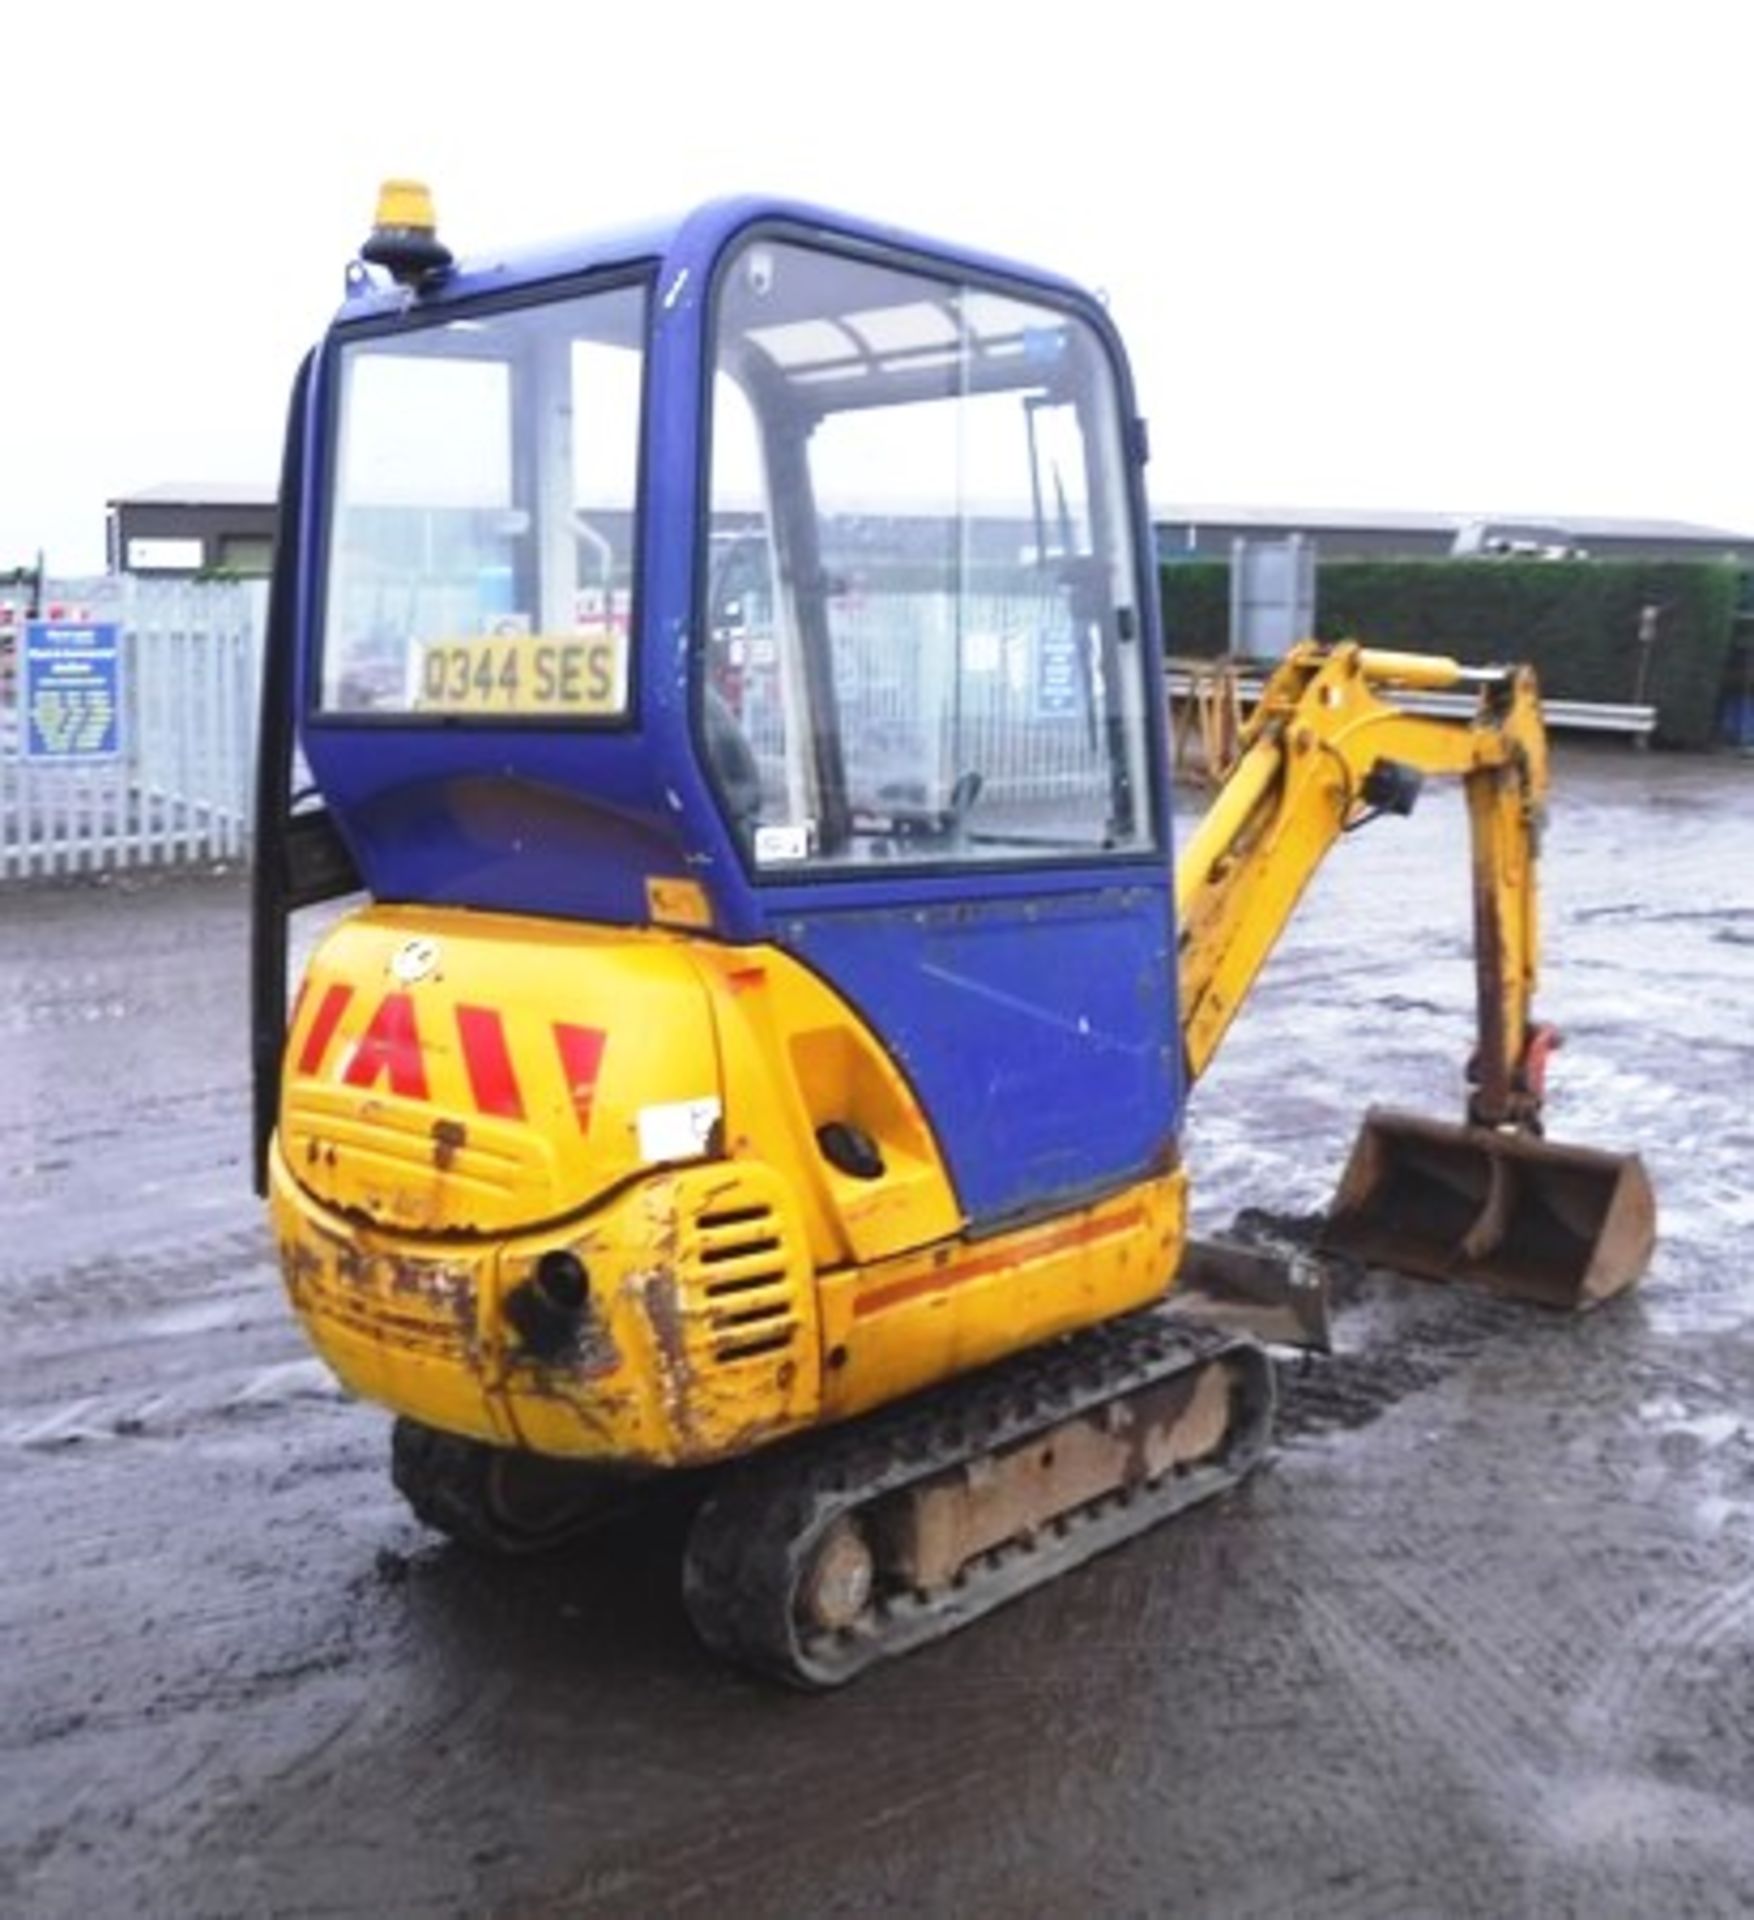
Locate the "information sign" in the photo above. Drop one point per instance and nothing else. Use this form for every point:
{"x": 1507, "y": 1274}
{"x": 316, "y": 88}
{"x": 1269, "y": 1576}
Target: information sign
{"x": 71, "y": 693}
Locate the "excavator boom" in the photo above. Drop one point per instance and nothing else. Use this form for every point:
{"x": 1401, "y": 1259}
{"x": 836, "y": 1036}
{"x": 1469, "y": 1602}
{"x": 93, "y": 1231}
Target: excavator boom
{"x": 1328, "y": 748}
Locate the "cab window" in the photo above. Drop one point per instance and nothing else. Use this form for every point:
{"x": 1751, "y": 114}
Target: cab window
{"x": 481, "y": 546}
{"x": 922, "y": 638}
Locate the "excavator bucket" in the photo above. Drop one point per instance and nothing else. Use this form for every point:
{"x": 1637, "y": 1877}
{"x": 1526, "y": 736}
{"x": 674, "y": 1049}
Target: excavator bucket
{"x": 1562, "y": 1226}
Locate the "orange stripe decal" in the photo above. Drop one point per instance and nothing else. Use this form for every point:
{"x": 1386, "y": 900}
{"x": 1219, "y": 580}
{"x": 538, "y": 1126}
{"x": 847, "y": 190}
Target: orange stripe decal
{"x": 936, "y": 1279}
{"x": 492, "y": 1079}
{"x": 390, "y": 1045}
{"x": 581, "y": 1057}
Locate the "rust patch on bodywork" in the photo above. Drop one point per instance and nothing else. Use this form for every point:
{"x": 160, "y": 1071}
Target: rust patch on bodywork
{"x": 676, "y": 1382}
{"x": 386, "y": 1295}
{"x": 302, "y": 1267}
{"x": 442, "y": 1287}
{"x": 448, "y": 1139}
{"x": 1490, "y": 1068}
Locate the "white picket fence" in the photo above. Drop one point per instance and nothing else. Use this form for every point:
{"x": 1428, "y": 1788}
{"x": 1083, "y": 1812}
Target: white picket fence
{"x": 179, "y": 790}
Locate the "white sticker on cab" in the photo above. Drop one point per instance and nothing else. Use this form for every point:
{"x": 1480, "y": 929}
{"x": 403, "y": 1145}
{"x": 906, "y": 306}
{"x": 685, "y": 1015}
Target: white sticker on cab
{"x": 782, "y": 843}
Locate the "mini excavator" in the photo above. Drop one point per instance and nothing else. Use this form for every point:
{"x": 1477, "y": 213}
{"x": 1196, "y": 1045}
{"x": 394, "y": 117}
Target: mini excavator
{"x": 725, "y": 657}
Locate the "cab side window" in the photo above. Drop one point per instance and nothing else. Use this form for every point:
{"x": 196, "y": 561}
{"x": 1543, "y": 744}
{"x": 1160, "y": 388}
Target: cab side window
{"x": 925, "y": 619}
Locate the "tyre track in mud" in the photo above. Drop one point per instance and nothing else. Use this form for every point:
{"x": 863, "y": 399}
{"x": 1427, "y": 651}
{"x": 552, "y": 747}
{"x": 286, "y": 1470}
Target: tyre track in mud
{"x": 170, "y": 1641}
{"x": 1203, "y": 1629}
{"x": 1475, "y": 1643}
{"x": 141, "y": 1391}
{"x": 230, "y": 1259}
{"x": 1701, "y": 1182}
{"x": 1674, "y": 1646}
{"x": 1389, "y": 1715}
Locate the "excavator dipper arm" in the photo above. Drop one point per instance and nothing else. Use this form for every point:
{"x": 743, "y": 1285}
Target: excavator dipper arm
{"x": 1326, "y": 749}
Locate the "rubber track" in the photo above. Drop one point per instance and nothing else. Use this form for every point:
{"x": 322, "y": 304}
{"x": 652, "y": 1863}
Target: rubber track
{"x": 753, "y": 1538}
{"x": 448, "y": 1482}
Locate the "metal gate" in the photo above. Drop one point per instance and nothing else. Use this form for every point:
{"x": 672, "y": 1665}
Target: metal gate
{"x": 931, "y": 685}
{"x": 171, "y": 782}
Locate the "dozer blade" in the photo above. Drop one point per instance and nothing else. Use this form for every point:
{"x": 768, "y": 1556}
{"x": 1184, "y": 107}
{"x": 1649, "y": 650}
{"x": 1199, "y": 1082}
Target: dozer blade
{"x": 1281, "y": 1299}
{"x": 1562, "y": 1226}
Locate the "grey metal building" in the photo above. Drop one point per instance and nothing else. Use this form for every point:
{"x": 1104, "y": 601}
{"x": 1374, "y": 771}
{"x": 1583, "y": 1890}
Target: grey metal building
{"x": 182, "y": 529}
{"x": 1206, "y": 533}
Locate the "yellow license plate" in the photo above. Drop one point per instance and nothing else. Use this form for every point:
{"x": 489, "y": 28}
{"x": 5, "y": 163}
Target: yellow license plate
{"x": 576, "y": 674}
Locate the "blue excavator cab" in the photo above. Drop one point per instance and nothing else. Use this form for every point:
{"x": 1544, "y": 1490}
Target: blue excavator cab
{"x": 771, "y": 575}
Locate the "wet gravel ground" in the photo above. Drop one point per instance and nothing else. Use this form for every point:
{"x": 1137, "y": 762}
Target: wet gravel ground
{"x": 1480, "y": 1641}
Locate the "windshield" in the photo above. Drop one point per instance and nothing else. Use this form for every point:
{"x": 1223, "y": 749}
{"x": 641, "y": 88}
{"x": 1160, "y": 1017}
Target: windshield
{"x": 922, "y": 639}
{"x": 481, "y": 548}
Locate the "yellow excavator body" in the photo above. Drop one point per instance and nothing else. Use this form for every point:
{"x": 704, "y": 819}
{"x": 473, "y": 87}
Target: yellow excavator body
{"x": 478, "y": 1107}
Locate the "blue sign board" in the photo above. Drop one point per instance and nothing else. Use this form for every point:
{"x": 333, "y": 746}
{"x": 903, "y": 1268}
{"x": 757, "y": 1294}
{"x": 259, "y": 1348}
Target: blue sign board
{"x": 72, "y": 690}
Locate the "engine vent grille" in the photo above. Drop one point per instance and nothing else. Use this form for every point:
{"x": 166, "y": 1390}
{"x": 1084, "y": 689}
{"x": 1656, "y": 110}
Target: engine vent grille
{"x": 743, "y": 1276}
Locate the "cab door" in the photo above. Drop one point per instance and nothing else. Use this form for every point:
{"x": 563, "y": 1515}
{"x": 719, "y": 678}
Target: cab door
{"x": 929, "y": 699}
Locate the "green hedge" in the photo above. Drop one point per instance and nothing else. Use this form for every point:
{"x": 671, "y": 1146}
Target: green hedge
{"x": 1575, "y": 621}
{"x": 1196, "y": 607}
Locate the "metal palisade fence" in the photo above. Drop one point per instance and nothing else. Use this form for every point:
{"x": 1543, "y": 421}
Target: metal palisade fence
{"x": 127, "y": 727}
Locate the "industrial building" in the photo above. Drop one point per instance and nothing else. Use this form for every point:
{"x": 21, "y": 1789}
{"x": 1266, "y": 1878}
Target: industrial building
{"x": 184, "y": 529}
{"x": 1336, "y": 533}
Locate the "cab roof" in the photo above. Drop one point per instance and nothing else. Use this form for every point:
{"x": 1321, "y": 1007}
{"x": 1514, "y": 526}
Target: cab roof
{"x": 685, "y": 245}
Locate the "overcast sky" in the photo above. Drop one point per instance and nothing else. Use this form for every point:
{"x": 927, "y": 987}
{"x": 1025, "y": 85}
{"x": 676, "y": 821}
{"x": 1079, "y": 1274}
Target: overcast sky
{"x": 1463, "y": 257}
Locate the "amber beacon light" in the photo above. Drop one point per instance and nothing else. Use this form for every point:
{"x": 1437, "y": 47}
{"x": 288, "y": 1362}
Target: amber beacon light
{"x": 404, "y": 236}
